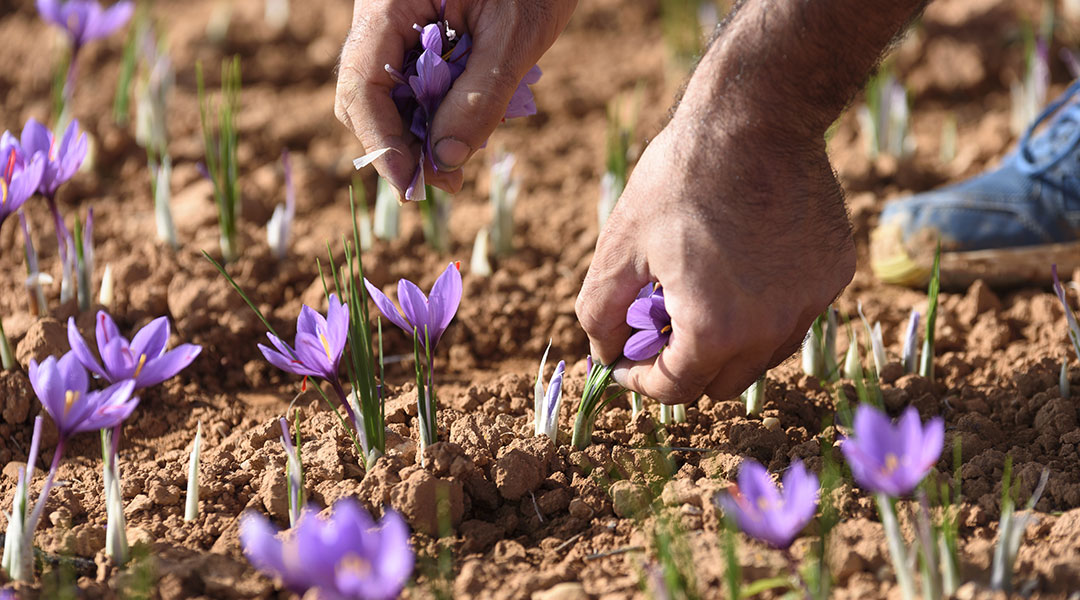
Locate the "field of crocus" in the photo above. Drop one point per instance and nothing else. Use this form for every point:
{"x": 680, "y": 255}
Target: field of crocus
{"x": 216, "y": 328}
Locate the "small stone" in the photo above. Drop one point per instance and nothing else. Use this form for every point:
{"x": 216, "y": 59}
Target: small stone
{"x": 562, "y": 591}
{"x": 165, "y": 495}
{"x": 61, "y": 517}
{"x": 579, "y": 509}
{"x": 11, "y": 470}
{"x": 508, "y": 550}
{"x": 628, "y": 498}
{"x": 771, "y": 423}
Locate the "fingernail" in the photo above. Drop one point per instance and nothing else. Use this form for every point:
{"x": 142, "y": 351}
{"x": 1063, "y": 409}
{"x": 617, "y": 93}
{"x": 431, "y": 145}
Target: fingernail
{"x": 450, "y": 154}
{"x": 621, "y": 375}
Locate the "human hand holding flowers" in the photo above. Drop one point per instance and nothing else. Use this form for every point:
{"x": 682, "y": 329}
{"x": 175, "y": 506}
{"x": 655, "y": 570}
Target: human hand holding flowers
{"x": 505, "y": 41}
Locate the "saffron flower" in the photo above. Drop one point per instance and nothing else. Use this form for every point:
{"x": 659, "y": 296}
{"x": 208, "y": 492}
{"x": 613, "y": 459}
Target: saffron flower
{"x": 648, "y": 314}
{"x": 319, "y": 343}
{"x": 546, "y": 403}
{"x": 345, "y": 556}
{"x": 892, "y": 459}
{"x": 63, "y": 388}
{"x": 63, "y": 158}
{"x": 143, "y": 359}
{"x": 20, "y": 175}
{"x": 85, "y": 20}
{"x": 427, "y": 73}
{"x": 425, "y": 317}
{"x": 764, "y": 512}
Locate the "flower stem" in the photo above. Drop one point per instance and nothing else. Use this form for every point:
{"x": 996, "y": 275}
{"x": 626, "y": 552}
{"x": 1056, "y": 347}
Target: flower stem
{"x": 793, "y": 565}
{"x": 897, "y": 550}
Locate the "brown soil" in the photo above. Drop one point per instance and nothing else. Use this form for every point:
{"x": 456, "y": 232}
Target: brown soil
{"x": 528, "y": 515}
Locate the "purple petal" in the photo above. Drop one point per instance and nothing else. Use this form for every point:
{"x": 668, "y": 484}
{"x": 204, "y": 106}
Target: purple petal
{"x": 35, "y": 138}
{"x": 50, "y": 10}
{"x": 387, "y": 308}
{"x": 310, "y": 321}
{"x": 112, "y": 406}
{"x": 431, "y": 38}
{"x": 801, "y": 490}
{"x": 644, "y": 345}
{"x": 445, "y": 299}
{"x": 81, "y": 350}
{"x": 258, "y": 537}
{"x": 167, "y": 365}
{"x": 105, "y": 331}
{"x": 109, "y": 20}
{"x": 415, "y": 306}
{"x": 75, "y": 377}
{"x": 395, "y": 562}
{"x": 151, "y": 339}
{"x": 310, "y": 352}
{"x": 756, "y": 484}
{"x": 26, "y": 181}
{"x": 933, "y": 441}
{"x": 48, "y": 386}
{"x": 431, "y": 82}
{"x": 118, "y": 361}
{"x": 337, "y": 325}
{"x": 284, "y": 361}
{"x": 648, "y": 313}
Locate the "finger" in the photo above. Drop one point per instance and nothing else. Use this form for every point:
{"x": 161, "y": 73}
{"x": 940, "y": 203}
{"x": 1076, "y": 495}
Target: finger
{"x": 736, "y": 377}
{"x": 678, "y": 375}
{"x": 613, "y": 281}
{"x": 478, "y": 99}
{"x": 379, "y": 37}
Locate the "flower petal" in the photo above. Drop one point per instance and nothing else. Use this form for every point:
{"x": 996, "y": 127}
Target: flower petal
{"x": 151, "y": 339}
{"x": 445, "y": 299}
{"x": 415, "y": 306}
{"x": 105, "y": 331}
{"x": 387, "y": 308}
{"x": 81, "y": 350}
{"x": 167, "y": 365}
{"x": 644, "y": 345}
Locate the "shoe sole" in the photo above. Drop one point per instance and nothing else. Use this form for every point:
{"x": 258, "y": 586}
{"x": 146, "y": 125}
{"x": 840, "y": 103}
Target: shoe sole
{"x": 893, "y": 261}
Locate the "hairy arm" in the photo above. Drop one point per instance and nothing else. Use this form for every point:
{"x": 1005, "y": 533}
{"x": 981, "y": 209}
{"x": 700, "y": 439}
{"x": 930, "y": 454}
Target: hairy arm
{"x": 734, "y": 207}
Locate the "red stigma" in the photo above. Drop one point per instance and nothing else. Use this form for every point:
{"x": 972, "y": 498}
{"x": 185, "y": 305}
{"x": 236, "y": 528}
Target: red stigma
{"x": 303, "y": 384}
{"x": 457, "y": 263}
{"x": 9, "y": 170}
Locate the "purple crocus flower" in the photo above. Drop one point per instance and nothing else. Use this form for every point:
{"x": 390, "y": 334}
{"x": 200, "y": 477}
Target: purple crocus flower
{"x": 427, "y": 74}
{"x": 764, "y": 512}
{"x": 85, "y": 20}
{"x": 319, "y": 343}
{"x": 20, "y": 175}
{"x": 424, "y": 317}
{"x": 892, "y": 459}
{"x": 63, "y": 158}
{"x": 143, "y": 360}
{"x": 63, "y": 388}
{"x": 648, "y": 314}
{"x": 345, "y": 556}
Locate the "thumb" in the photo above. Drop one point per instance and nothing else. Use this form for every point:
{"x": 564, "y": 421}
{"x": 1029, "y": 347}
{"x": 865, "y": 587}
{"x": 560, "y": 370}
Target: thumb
{"x": 476, "y": 102}
{"x": 612, "y": 283}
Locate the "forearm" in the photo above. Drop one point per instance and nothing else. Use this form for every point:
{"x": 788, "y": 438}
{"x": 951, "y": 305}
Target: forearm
{"x": 792, "y": 65}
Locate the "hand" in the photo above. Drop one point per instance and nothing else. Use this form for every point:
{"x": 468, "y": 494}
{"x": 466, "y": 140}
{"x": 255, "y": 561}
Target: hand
{"x": 748, "y": 235}
{"x": 508, "y": 39}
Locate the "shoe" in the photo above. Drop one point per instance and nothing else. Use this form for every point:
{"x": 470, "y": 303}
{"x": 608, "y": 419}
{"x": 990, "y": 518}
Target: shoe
{"x": 1005, "y": 226}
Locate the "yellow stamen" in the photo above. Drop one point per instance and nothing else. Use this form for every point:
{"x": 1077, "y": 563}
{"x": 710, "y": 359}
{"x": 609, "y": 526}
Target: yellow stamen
{"x": 326, "y": 347}
{"x": 70, "y": 398}
{"x": 3, "y": 192}
{"x": 142, "y": 363}
{"x": 666, "y": 329}
{"x": 891, "y": 463}
{"x": 355, "y": 564}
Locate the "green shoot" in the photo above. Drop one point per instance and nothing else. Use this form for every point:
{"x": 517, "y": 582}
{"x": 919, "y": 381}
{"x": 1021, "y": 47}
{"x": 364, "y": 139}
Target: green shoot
{"x": 926, "y": 366}
{"x": 592, "y": 400}
{"x": 220, "y": 143}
